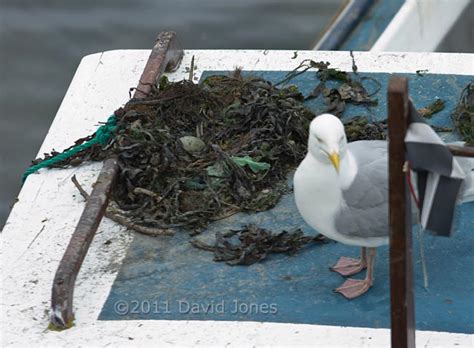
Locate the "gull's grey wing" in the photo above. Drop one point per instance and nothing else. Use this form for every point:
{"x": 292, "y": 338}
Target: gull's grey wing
{"x": 366, "y": 211}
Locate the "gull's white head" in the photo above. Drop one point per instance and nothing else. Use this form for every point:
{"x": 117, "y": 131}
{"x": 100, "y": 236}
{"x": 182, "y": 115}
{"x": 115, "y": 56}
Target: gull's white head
{"x": 327, "y": 140}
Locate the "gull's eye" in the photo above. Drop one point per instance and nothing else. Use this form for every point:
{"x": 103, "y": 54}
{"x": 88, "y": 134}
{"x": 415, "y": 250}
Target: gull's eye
{"x": 318, "y": 139}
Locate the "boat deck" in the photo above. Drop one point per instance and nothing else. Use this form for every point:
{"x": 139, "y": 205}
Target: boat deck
{"x": 134, "y": 289}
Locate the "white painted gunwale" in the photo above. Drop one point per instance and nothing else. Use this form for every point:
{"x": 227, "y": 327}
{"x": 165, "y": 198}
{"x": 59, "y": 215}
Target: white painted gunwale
{"x": 420, "y": 25}
{"x": 42, "y": 221}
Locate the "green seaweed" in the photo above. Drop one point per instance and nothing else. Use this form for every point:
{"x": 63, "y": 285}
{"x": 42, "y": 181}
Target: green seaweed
{"x": 249, "y": 161}
{"x": 252, "y": 244}
{"x": 350, "y": 89}
{"x": 359, "y": 128}
{"x": 463, "y": 115}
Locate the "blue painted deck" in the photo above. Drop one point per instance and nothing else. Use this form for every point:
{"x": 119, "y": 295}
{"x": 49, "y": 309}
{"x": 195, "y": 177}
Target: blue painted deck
{"x": 167, "y": 278}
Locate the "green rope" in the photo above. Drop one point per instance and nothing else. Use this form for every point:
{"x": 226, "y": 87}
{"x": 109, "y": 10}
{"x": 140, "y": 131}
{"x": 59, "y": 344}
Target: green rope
{"x": 102, "y": 136}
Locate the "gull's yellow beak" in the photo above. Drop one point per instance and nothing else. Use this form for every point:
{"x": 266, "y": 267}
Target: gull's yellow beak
{"x": 334, "y": 158}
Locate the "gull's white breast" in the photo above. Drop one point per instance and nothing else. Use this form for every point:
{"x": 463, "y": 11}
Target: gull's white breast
{"x": 318, "y": 197}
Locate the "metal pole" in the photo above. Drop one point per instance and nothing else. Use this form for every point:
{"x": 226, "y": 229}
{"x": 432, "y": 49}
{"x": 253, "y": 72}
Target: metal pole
{"x": 462, "y": 151}
{"x": 164, "y": 56}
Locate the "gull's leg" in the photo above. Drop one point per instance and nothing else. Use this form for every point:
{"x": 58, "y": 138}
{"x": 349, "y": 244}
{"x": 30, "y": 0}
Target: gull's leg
{"x": 348, "y": 266}
{"x": 353, "y": 288}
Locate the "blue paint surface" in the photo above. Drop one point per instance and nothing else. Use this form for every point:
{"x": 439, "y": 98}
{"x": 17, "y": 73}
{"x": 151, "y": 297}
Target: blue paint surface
{"x": 166, "y": 278}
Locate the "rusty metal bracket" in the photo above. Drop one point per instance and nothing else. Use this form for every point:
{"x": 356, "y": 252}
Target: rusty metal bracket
{"x": 165, "y": 56}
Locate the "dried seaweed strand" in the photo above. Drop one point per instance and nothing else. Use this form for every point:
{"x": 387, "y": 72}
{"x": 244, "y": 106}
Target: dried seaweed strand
{"x": 123, "y": 220}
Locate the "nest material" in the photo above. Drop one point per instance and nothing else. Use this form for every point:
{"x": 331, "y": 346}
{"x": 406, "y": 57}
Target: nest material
{"x": 190, "y": 154}
{"x": 252, "y": 244}
{"x": 250, "y": 135}
{"x": 463, "y": 115}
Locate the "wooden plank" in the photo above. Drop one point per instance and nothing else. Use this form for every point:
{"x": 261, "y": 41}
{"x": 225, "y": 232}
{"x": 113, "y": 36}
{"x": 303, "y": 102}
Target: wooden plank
{"x": 401, "y": 277}
{"x": 164, "y": 56}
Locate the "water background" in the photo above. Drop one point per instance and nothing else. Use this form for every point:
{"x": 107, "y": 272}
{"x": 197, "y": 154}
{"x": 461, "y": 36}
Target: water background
{"x": 42, "y": 42}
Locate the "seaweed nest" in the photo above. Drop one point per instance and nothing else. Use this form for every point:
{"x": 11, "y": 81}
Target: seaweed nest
{"x": 190, "y": 154}
{"x": 463, "y": 115}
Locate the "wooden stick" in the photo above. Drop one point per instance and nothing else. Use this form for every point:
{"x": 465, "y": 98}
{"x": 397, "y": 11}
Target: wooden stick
{"x": 121, "y": 219}
{"x": 401, "y": 277}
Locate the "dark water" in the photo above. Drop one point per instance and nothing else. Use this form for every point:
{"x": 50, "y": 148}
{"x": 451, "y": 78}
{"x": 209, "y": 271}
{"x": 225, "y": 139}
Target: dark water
{"x": 42, "y": 42}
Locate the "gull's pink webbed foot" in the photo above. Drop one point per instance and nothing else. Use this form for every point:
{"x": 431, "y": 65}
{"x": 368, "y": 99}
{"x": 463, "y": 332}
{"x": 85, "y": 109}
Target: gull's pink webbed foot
{"x": 353, "y": 288}
{"x": 347, "y": 266}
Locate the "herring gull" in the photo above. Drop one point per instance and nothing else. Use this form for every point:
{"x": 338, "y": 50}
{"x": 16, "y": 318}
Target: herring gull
{"x": 341, "y": 190}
